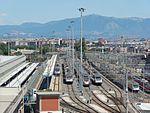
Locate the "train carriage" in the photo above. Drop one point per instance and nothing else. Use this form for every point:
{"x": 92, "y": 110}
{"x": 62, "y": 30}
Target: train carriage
{"x": 57, "y": 71}
{"x": 96, "y": 79}
{"x": 86, "y": 80}
{"x": 133, "y": 86}
{"x": 69, "y": 79}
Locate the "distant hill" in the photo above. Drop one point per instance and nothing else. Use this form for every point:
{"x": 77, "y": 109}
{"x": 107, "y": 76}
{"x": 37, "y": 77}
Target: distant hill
{"x": 93, "y": 26}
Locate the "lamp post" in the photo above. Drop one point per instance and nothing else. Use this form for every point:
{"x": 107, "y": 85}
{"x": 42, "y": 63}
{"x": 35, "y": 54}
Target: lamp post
{"x": 72, "y": 30}
{"x": 81, "y": 11}
{"x": 69, "y": 38}
{"x": 81, "y": 27}
{"x": 67, "y": 32}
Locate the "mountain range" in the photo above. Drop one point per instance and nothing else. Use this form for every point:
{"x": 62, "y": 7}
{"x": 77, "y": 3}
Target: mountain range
{"x": 93, "y": 26}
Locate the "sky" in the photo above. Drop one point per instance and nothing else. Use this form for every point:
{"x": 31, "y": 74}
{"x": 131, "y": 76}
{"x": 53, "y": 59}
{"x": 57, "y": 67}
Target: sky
{"x": 14, "y": 12}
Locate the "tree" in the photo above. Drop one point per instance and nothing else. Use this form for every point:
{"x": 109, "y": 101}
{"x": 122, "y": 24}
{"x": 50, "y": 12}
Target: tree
{"x": 78, "y": 45}
{"x": 24, "y": 47}
{"x": 3, "y": 49}
{"x": 45, "y": 49}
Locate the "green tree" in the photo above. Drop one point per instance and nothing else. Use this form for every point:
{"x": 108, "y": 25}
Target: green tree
{"x": 45, "y": 49}
{"x": 3, "y": 49}
{"x": 24, "y": 46}
{"x": 78, "y": 45}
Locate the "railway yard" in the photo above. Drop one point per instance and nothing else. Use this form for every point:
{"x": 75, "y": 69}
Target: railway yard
{"x": 96, "y": 98}
{"x": 95, "y": 85}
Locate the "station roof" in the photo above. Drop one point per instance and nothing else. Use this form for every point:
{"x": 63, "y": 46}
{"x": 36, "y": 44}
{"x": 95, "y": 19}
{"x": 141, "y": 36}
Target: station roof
{"x": 11, "y": 73}
{"x": 7, "y": 95}
{"x": 5, "y": 58}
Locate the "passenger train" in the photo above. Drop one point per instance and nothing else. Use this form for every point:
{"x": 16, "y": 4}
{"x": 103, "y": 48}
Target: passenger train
{"x": 57, "y": 71}
{"x": 86, "y": 80}
{"x": 96, "y": 79}
{"x": 68, "y": 76}
{"x": 133, "y": 86}
{"x": 69, "y": 79}
{"x": 143, "y": 83}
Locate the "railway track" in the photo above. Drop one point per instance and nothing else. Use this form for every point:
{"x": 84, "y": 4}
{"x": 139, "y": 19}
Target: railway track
{"x": 80, "y": 106}
{"x": 117, "y": 101}
{"x": 100, "y": 103}
{"x": 120, "y": 108}
{"x": 74, "y": 108}
{"x": 111, "y": 97}
{"x": 118, "y": 98}
{"x": 79, "y": 102}
{"x": 118, "y": 93}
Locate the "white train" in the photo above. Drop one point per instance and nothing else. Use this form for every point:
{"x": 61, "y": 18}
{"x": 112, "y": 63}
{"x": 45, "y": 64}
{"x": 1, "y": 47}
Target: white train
{"x": 69, "y": 78}
{"x": 133, "y": 86}
{"x": 96, "y": 79}
{"x": 86, "y": 80}
{"x": 57, "y": 71}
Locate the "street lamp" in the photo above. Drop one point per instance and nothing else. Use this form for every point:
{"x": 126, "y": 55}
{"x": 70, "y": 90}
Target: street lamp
{"x": 69, "y": 38}
{"x": 72, "y": 30}
{"x": 81, "y": 27}
{"x": 81, "y": 11}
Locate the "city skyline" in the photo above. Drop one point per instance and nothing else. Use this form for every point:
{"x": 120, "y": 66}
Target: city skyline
{"x": 17, "y": 12}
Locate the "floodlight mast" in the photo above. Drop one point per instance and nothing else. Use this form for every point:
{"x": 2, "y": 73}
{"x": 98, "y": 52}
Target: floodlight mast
{"x": 81, "y": 33}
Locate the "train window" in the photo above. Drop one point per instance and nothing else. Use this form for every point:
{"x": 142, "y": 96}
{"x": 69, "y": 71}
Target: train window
{"x": 138, "y": 103}
{"x": 135, "y": 85}
{"x": 86, "y": 78}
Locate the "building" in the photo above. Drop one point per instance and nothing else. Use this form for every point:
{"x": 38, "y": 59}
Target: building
{"x": 47, "y": 102}
{"x": 102, "y": 41}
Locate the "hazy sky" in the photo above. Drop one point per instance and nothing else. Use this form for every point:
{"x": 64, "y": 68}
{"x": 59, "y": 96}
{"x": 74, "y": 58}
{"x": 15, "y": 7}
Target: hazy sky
{"x": 19, "y": 11}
